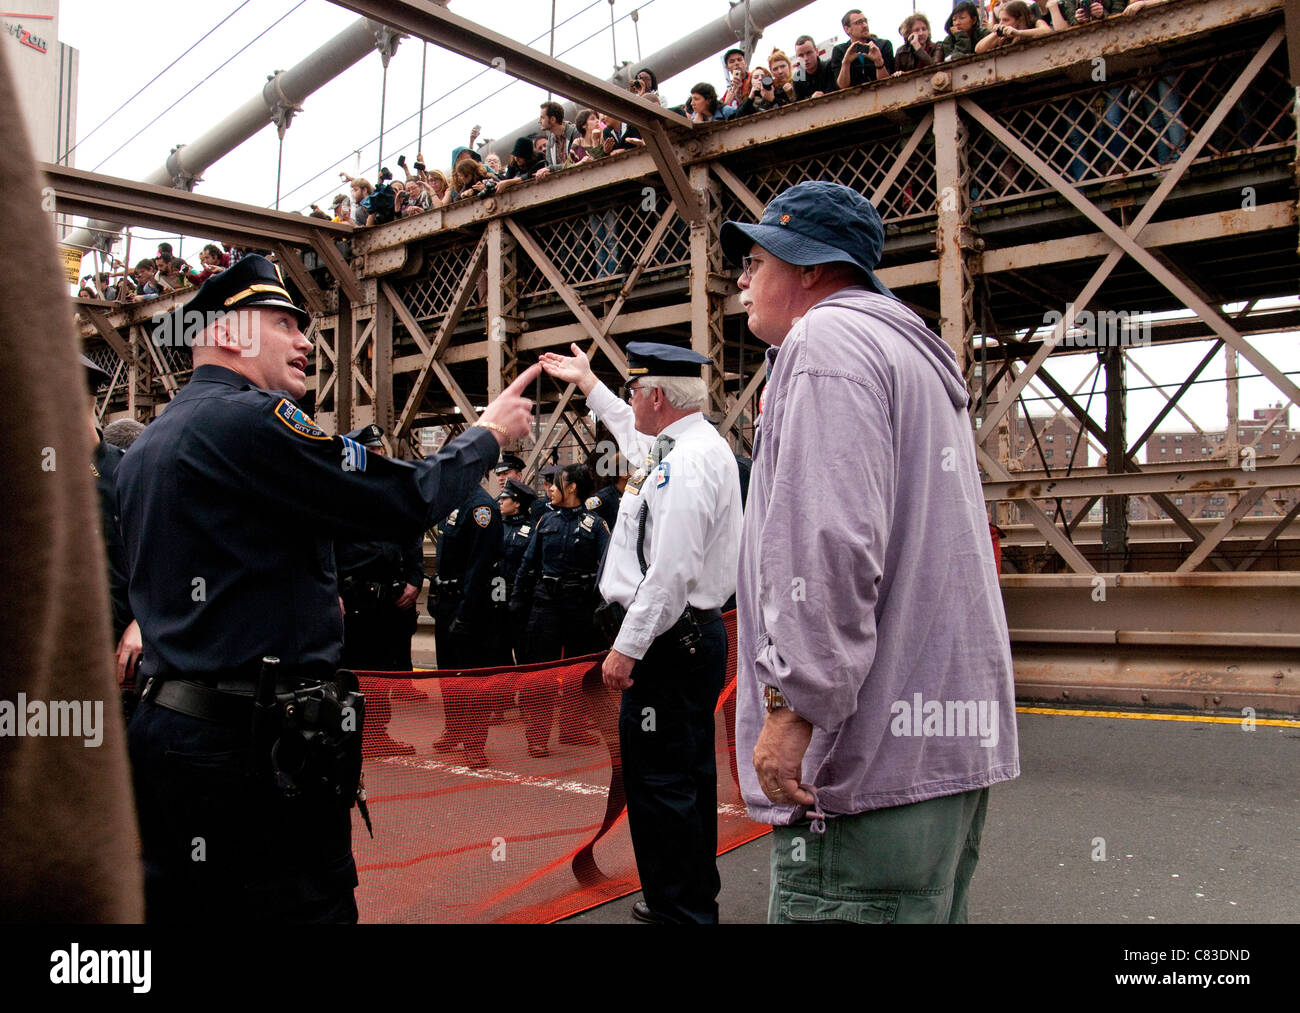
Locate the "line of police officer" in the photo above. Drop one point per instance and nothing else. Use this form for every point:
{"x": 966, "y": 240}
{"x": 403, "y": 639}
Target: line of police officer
{"x": 528, "y": 566}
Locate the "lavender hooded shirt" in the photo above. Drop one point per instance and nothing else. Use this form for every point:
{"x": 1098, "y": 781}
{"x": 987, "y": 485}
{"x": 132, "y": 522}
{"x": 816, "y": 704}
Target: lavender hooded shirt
{"x": 867, "y": 590}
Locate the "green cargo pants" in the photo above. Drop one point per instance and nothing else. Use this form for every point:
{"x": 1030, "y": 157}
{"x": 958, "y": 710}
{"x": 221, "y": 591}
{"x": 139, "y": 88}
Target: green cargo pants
{"x": 907, "y": 864}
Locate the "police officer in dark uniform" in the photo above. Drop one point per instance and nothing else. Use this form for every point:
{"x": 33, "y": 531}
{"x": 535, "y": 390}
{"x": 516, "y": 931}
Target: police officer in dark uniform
{"x": 230, "y": 503}
{"x": 515, "y": 501}
{"x": 460, "y": 601}
{"x": 379, "y": 582}
{"x": 605, "y": 501}
{"x": 558, "y": 577}
{"x": 544, "y": 503}
{"x": 103, "y": 466}
{"x": 510, "y": 466}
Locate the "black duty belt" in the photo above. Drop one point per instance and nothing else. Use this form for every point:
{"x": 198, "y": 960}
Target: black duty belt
{"x": 203, "y": 702}
{"x": 703, "y": 615}
{"x": 225, "y": 700}
{"x": 577, "y": 580}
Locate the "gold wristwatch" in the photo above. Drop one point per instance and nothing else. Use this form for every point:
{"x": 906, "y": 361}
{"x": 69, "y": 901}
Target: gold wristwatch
{"x": 773, "y": 700}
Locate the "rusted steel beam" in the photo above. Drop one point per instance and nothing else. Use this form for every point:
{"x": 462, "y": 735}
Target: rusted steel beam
{"x": 566, "y": 293}
{"x": 93, "y": 194}
{"x": 1187, "y": 480}
{"x": 1126, "y": 239}
{"x": 302, "y": 278}
{"x": 338, "y": 267}
{"x": 492, "y": 49}
{"x": 1290, "y": 452}
{"x": 1263, "y": 218}
{"x": 1068, "y": 552}
{"x": 110, "y": 335}
{"x": 432, "y": 366}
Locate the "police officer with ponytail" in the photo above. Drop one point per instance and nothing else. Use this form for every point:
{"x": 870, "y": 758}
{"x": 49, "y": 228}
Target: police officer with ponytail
{"x": 558, "y": 577}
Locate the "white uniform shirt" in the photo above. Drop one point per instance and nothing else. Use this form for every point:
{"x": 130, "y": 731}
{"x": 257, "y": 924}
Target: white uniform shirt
{"x": 692, "y": 541}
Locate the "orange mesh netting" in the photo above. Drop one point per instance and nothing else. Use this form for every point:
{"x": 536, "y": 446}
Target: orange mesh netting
{"x": 524, "y": 838}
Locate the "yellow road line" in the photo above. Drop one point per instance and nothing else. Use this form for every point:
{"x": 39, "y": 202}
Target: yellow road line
{"x": 1137, "y": 716}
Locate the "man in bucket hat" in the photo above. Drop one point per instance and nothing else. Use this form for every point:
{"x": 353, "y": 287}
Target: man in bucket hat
{"x": 873, "y": 663}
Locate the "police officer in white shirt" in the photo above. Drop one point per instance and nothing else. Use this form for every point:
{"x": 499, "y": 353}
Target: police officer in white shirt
{"x": 670, "y": 566}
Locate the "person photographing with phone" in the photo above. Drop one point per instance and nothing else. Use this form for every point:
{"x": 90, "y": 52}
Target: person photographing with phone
{"x": 864, "y": 58}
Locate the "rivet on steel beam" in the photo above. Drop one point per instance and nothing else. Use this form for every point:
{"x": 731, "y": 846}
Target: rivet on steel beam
{"x": 941, "y": 81}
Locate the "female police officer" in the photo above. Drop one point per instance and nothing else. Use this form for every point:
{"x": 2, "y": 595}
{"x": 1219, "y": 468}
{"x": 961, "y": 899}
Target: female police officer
{"x": 558, "y": 575}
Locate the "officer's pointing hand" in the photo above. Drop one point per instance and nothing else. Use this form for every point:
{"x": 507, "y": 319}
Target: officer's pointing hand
{"x": 511, "y": 410}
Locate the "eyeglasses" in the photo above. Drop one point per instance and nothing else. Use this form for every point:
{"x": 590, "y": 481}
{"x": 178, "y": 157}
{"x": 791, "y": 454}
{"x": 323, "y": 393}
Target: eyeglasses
{"x": 630, "y": 389}
{"x": 747, "y": 265}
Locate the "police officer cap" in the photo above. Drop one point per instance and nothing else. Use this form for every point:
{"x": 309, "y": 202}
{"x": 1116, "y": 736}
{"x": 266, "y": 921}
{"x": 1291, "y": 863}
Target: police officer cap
{"x": 368, "y": 436}
{"x": 518, "y": 492}
{"x": 650, "y": 358}
{"x": 251, "y": 283}
{"x": 548, "y": 474}
{"x": 95, "y": 376}
{"x": 509, "y": 462}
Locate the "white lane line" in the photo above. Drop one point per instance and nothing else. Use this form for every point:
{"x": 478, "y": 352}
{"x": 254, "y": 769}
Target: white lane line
{"x": 435, "y": 766}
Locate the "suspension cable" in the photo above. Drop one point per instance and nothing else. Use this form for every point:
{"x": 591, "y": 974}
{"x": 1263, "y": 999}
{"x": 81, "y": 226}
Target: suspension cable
{"x": 440, "y": 98}
{"x": 201, "y": 83}
{"x": 490, "y": 95}
{"x": 160, "y": 73}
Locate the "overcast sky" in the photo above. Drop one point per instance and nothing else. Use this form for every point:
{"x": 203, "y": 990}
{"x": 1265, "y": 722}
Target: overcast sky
{"x": 123, "y": 45}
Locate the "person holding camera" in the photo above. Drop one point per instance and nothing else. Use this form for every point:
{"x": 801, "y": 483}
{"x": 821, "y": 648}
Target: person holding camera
{"x": 670, "y": 567}
{"x": 1016, "y": 21}
{"x": 645, "y": 84}
{"x": 864, "y": 58}
{"x": 1087, "y": 11}
{"x": 739, "y": 80}
{"x": 764, "y": 94}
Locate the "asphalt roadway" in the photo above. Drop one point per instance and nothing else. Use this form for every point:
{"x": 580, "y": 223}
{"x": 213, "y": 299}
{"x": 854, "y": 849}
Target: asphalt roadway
{"x": 1200, "y": 821}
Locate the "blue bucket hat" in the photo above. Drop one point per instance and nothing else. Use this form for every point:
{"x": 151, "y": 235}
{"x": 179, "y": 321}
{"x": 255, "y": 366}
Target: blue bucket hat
{"x": 815, "y": 222}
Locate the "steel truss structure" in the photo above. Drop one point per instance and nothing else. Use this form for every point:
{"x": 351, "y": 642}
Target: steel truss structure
{"x": 1145, "y": 164}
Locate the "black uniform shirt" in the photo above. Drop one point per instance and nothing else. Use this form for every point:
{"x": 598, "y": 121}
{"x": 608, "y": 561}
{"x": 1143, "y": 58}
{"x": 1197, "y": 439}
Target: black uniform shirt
{"x": 568, "y": 542}
{"x": 469, "y": 549}
{"x": 383, "y": 561}
{"x": 605, "y": 502}
{"x": 518, "y": 530}
{"x": 230, "y": 503}
{"x": 104, "y": 464}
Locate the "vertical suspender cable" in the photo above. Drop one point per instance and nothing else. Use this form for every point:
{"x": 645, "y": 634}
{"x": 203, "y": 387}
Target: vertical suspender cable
{"x": 424, "y": 56}
{"x": 549, "y": 96}
{"x": 636, "y": 27}
{"x": 383, "y": 101}
{"x": 613, "y": 41}
{"x": 279, "y": 167}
